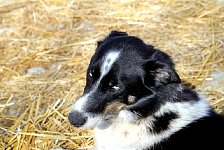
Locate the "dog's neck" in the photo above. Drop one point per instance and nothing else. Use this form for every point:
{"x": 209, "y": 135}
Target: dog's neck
{"x": 175, "y": 92}
{"x": 171, "y": 117}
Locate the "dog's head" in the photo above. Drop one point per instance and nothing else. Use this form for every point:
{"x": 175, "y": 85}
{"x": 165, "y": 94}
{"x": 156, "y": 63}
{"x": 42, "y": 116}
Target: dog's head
{"x": 122, "y": 70}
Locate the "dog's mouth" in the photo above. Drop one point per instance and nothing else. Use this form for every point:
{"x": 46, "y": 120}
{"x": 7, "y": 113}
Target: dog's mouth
{"x": 84, "y": 120}
{"x": 92, "y": 120}
{"x": 110, "y": 113}
{"x": 112, "y": 110}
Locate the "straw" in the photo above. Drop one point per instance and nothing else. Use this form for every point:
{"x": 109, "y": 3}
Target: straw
{"x": 45, "y": 48}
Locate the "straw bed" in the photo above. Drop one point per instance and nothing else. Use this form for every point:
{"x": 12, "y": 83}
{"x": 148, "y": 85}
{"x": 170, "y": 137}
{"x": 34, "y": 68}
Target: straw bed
{"x": 45, "y": 48}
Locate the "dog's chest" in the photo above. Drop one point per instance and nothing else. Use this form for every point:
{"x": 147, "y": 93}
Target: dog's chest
{"x": 123, "y": 136}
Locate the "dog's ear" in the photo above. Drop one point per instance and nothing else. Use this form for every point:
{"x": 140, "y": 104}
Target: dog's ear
{"x": 158, "y": 73}
{"x": 113, "y": 33}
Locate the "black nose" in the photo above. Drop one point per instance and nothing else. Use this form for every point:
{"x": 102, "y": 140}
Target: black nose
{"x": 76, "y": 118}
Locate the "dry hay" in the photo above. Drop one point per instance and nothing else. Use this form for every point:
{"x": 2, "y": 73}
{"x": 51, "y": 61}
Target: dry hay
{"x": 45, "y": 48}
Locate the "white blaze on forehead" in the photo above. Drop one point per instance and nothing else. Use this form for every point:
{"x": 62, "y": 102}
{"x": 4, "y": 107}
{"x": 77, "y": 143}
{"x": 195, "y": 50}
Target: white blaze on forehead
{"x": 108, "y": 62}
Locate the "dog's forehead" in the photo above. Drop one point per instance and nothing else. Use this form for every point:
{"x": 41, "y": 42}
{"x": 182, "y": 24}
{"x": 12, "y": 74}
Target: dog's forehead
{"x": 102, "y": 64}
{"x": 125, "y": 52}
{"x": 108, "y": 60}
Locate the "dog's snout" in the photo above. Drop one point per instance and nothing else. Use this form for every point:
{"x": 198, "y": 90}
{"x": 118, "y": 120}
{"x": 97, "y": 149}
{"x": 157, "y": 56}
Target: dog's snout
{"x": 77, "y": 119}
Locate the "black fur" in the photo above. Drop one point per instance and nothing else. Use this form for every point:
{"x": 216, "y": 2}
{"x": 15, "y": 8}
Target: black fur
{"x": 204, "y": 134}
{"x": 162, "y": 123}
{"x": 148, "y": 75}
{"x": 149, "y": 68}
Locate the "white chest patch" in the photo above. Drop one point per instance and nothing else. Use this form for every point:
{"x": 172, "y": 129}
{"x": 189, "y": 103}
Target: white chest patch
{"x": 136, "y": 136}
{"x": 121, "y": 136}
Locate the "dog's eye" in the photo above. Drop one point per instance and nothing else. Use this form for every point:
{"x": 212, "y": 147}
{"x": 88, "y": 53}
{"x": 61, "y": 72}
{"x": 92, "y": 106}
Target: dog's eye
{"x": 116, "y": 87}
{"x": 112, "y": 85}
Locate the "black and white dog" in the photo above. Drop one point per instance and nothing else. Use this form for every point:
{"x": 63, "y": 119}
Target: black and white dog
{"x": 135, "y": 100}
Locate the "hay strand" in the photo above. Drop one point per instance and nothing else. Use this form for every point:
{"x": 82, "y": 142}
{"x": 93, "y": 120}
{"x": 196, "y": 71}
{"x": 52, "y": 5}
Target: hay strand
{"x": 45, "y": 48}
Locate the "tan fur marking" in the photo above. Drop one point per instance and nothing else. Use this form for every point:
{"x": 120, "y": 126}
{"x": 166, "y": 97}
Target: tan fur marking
{"x": 112, "y": 109}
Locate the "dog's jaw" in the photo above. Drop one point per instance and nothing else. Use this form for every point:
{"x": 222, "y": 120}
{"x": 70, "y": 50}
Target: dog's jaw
{"x": 92, "y": 121}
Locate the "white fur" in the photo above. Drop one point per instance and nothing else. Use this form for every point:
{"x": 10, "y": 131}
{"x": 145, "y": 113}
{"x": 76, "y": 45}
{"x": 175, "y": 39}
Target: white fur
{"x": 108, "y": 62}
{"x": 131, "y": 99}
{"x": 135, "y": 136}
{"x": 116, "y": 87}
{"x": 90, "y": 74}
{"x": 91, "y": 121}
{"x": 79, "y": 105}
{"x": 127, "y": 116}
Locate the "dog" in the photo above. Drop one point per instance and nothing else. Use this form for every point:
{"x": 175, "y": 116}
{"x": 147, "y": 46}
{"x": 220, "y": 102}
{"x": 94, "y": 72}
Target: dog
{"x": 135, "y": 100}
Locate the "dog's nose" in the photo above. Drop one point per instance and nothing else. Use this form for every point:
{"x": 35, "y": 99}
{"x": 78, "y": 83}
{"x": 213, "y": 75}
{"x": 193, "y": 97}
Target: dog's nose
{"x": 77, "y": 119}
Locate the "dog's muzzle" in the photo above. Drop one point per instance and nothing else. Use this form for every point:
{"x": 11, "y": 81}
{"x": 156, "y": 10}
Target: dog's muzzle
{"x": 77, "y": 119}
{"x": 81, "y": 114}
